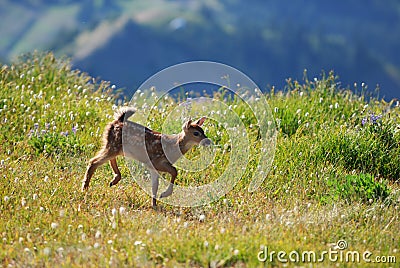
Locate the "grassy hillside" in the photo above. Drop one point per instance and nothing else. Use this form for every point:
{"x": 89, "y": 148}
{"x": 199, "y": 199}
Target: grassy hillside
{"x": 335, "y": 177}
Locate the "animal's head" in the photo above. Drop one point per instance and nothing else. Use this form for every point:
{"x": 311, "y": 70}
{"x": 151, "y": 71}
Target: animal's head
{"x": 195, "y": 133}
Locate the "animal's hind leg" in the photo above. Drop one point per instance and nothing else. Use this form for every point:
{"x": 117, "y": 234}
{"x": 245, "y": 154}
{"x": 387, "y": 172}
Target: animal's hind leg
{"x": 117, "y": 173}
{"x": 94, "y": 163}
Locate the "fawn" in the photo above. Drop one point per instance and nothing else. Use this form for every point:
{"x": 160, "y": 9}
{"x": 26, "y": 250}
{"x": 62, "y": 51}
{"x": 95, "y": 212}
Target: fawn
{"x": 156, "y": 150}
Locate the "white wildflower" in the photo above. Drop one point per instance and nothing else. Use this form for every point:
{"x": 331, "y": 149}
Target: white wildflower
{"x": 46, "y": 251}
{"x": 114, "y": 212}
{"x": 122, "y": 210}
{"x": 202, "y": 217}
{"x": 98, "y": 234}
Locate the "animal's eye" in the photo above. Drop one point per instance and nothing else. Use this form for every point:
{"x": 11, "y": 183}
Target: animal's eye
{"x": 196, "y": 133}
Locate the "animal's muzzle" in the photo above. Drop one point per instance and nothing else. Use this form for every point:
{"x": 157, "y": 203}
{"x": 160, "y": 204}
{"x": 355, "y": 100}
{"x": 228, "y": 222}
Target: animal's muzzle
{"x": 205, "y": 142}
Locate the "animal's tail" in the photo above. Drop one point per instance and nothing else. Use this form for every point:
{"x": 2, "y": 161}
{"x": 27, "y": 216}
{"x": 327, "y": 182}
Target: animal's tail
{"x": 123, "y": 113}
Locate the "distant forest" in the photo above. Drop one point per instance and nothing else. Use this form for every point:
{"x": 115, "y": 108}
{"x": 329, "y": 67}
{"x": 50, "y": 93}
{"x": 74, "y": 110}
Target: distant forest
{"x": 128, "y": 41}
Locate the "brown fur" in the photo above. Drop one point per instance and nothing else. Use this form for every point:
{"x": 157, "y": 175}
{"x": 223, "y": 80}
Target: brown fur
{"x": 112, "y": 146}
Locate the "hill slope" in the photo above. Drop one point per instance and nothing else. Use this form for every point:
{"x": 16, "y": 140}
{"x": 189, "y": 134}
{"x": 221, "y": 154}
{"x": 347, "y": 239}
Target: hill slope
{"x": 128, "y": 41}
{"x": 335, "y": 177}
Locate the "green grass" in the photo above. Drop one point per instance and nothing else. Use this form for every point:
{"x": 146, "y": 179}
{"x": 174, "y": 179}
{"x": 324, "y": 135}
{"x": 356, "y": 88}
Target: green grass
{"x": 335, "y": 176}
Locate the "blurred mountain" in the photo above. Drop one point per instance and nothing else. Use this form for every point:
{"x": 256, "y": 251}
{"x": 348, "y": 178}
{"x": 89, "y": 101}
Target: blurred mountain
{"x": 128, "y": 41}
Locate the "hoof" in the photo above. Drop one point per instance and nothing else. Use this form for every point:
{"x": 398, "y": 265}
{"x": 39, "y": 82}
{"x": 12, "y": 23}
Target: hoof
{"x": 165, "y": 194}
{"x": 115, "y": 180}
{"x": 84, "y": 188}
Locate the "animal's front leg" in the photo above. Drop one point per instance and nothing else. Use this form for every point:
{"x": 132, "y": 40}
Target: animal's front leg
{"x": 154, "y": 186}
{"x": 167, "y": 167}
{"x": 168, "y": 192}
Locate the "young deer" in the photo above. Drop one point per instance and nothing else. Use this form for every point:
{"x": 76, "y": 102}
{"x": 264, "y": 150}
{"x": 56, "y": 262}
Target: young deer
{"x": 157, "y": 151}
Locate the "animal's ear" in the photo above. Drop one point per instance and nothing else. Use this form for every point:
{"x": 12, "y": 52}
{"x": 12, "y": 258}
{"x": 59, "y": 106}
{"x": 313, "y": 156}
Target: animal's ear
{"x": 201, "y": 121}
{"x": 186, "y": 125}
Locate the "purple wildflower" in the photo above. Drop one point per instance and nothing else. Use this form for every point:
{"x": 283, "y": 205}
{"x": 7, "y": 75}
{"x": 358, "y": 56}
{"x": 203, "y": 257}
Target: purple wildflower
{"x": 36, "y": 125}
{"x": 375, "y": 118}
{"x": 364, "y": 121}
{"x": 74, "y": 129}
